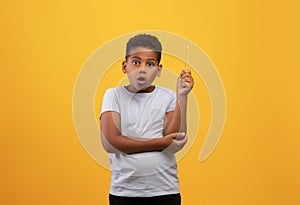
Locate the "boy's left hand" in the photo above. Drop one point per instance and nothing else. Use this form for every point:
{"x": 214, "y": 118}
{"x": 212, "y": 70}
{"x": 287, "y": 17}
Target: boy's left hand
{"x": 185, "y": 83}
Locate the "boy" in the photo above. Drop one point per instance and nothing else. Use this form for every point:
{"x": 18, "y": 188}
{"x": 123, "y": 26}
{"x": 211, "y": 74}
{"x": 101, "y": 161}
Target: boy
{"x": 142, "y": 127}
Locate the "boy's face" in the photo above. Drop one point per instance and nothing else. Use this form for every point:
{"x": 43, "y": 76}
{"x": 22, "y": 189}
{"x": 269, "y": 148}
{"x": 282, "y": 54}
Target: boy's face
{"x": 142, "y": 68}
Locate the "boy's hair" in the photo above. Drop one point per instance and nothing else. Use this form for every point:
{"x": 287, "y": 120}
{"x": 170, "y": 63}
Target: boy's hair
{"x": 145, "y": 41}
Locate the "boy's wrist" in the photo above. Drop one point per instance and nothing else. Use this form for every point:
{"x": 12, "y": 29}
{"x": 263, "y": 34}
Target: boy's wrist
{"x": 181, "y": 96}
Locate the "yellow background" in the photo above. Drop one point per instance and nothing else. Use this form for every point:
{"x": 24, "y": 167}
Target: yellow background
{"x": 254, "y": 45}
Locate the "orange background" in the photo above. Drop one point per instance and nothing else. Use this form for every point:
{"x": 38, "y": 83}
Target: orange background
{"x": 254, "y": 45}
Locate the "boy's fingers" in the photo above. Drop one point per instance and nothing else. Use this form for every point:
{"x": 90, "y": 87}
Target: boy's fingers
{"x": 189, "y": 82}
{"x": 187, "y": 79}
{"x": 176, "y": 135}
{"x": 186, "y": 70}
{"x": 184, "y": 75}
{"x": 180, "y": 136}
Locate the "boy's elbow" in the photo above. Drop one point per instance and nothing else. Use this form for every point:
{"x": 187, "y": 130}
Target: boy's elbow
{"x": 110, "y": 151}
{"x": 108, "y": 147}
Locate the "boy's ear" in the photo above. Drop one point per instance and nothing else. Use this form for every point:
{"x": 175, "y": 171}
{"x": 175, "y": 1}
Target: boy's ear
{"x": 159, "y": 70}
{"x": 124, "y": 64}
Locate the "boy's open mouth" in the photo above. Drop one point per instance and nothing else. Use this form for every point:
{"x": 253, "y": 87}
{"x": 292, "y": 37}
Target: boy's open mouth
{"x": 141, "y": 79}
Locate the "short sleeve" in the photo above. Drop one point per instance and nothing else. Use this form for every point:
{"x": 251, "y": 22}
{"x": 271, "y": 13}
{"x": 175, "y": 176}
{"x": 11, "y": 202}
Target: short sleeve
{"x": 172, "y": 101}
{"x": 110, "y": 102}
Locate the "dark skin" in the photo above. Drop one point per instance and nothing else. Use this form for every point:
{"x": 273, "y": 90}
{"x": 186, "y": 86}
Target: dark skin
{"x": 174, "y": 137}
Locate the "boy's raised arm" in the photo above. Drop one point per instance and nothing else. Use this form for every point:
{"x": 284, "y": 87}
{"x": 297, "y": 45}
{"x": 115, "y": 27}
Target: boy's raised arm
{"x": 176, "y": 120}
{"x": 114, "y": 142}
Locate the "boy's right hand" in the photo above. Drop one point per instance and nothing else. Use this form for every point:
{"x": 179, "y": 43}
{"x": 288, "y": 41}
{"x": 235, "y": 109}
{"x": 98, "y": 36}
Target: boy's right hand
{"x": 175, "y": 141}
{"x": 185, "y": 83}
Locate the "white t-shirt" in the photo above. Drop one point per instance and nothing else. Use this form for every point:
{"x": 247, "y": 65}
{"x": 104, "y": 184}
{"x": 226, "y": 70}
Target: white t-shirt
{"x": 142, "y": 115}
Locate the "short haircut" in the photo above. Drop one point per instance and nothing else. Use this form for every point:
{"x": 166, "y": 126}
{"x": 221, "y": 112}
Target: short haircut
{"x": 145, "y": 41}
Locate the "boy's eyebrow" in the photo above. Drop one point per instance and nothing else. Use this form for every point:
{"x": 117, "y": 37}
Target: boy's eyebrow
{"x": 141, "y": 59}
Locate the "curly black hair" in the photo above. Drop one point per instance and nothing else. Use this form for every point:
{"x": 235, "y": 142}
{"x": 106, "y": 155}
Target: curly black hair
{"x": 145, "y": 41}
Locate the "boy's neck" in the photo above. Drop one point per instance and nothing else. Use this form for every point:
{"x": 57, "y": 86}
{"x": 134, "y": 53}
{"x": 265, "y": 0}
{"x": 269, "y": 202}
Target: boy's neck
{"x": 146, "y": 90}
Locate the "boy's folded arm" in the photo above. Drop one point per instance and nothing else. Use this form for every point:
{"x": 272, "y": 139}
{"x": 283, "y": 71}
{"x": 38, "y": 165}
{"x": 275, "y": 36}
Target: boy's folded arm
{"x": 114, "y": 142}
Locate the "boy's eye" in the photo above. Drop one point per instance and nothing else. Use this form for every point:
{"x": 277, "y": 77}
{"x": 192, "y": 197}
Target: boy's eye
{"x": 135, "y": 62}
{"x": 150, "y": 64}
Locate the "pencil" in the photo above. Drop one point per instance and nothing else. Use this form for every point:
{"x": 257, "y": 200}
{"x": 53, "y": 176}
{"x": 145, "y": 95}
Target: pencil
{"x": 186, "y": 57}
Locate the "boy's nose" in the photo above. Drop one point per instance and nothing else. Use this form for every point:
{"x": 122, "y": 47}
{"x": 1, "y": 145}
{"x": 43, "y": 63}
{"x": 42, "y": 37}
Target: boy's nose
{"x": 142, "y": 70}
